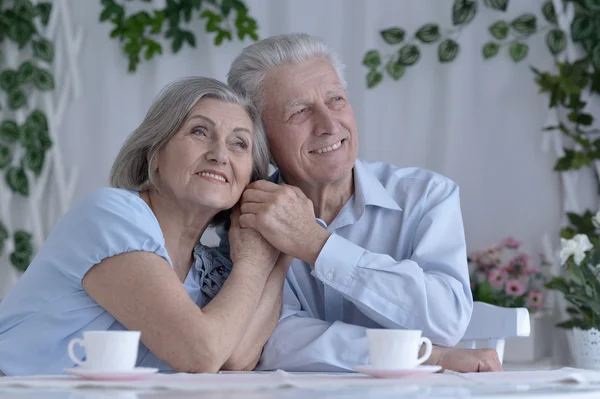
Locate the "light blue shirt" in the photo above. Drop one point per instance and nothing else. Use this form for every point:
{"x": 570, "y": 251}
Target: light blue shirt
{"x": 396, "y": 259}
{"x": 49, "y": 306}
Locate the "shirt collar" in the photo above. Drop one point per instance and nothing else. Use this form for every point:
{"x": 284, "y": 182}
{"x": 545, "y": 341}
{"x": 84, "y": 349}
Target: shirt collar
{"x": 368, "y": 190}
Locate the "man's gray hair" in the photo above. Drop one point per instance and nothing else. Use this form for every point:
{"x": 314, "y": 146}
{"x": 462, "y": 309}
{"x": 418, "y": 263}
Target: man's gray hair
{"x": 133, "y": 169}
{"x": 248, "y": 70}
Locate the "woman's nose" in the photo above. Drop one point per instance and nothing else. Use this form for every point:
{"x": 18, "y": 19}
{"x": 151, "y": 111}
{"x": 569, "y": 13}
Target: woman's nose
{"x": 217, "y": 153}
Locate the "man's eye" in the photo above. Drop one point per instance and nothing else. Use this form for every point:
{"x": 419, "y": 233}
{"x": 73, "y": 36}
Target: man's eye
{"x": 300, "y": 111}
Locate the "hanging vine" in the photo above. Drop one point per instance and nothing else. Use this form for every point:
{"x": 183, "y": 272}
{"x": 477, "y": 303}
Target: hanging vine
{"x": 23, "y": 146}
{"x": 139, "y": 33}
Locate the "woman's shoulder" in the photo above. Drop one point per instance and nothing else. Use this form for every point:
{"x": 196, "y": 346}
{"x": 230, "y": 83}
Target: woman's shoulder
{"x": 110, "y": 198}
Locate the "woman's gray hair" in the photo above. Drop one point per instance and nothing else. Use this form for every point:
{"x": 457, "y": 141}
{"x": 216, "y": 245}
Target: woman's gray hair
{"x": 248, "y": 70}
{"x": 133, "y": 169}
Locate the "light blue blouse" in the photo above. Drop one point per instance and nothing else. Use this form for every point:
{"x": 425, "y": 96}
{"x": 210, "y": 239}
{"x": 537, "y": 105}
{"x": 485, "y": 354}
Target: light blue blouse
{"x": 48, "y": 306}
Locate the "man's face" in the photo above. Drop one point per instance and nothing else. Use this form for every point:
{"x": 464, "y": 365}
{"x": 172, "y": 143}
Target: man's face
{"x": 310, "y": 123}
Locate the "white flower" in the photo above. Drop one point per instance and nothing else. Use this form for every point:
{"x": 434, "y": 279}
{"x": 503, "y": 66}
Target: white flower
{"x": 596, "y": 220}
{"x": 577, "y": 246}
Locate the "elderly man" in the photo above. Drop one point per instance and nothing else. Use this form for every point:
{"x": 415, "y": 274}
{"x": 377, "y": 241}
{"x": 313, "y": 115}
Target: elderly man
{"x": 375, "y": 246}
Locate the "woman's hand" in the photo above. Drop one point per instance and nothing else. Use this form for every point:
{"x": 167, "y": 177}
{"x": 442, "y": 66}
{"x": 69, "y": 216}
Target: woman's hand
{"x": 249, "y": 246}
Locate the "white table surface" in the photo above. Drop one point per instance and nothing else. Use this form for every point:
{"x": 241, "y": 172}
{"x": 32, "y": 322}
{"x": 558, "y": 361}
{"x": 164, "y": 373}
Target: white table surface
{"x": 514, "y": 385}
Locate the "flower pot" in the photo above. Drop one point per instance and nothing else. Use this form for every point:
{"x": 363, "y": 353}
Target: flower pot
{"x": 586, "y": 348}
{"x": 534, "y": 347}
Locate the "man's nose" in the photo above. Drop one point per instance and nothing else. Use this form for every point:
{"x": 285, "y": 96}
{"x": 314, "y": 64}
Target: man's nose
{"x": 326, "y": 124}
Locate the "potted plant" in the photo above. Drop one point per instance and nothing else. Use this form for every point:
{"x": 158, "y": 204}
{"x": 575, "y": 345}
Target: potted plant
{"x": 580, "y": 256}
{"x": 503, "y": 275}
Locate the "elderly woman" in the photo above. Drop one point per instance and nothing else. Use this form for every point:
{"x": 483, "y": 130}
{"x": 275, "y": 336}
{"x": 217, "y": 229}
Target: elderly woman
{"x": 128, "y": 258}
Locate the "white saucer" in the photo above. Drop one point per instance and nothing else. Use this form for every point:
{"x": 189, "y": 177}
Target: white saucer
{"x": 111, "y": 375}
{"x": 397, "y": 373}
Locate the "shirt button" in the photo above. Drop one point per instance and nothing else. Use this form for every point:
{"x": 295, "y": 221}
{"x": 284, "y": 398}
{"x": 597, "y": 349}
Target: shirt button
{"x": 329, "y": 275}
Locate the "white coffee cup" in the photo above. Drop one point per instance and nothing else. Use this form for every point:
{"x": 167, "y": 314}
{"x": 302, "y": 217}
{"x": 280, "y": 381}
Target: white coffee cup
{"x": 107, "y": 350}
{"x": 397, "y": 349}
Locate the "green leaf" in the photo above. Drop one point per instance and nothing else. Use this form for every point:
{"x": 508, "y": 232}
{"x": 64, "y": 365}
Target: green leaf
{"x": 43, "y": 80}
{"x": 499, "y": 30}
{"x": 373, "y": 78}
{"x": 574, "y": 323}
{"x": 582, "y": 27}
{"x": 21, "y": 32}
{"x": 21, "y": 259}
{"x": 25, "y": 73}
{"x": 9, "y": 80}
{"x": 595, "y": 56}
{"x": 556, "y": 40}
{"x": 593, "y": 5}
{"x": 448, "y": 50}
{"x": 43, "y": 50}
{"x": 496, "y": 4}
{"x": 34, "y": 159}
{"x": 428, "y": 33}
{"x": 484, "y": 292}
{"x": 595, "y": 86}
{"x": 16, "y": 99}
{"x": 490, "y": 49}
{"x": 17, "y": 180}
{"x": 393, "y": 35}
{"x": 558, "y": 284}
{"x": 408, "y": 55}
{"x": 24, "y": 8}
{"x": 28, "y": 136}
{"x": 395, "y": 69}
{"x": 23, "y": 240}
{"x": 45, "y": 141}
{"x": 9, "y": 131}
{"x": 3, "y": 236}
{"x": 463, "y": 11}
{"x": 581, "y": 118}
{"x": 575, "y": 278}
{"x": 549, "y": 12}
{"x": 44, "y": 10}
{"x": 6, "y": 156}
{"x": 518, "y": 51}
{"x": 38, "y": 119}
{"x": 525, "y": 24}
{"x": 372, "y": 59}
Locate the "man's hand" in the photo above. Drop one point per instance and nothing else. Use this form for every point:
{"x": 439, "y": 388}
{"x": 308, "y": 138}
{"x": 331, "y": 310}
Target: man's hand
{"x": 465, "y": 360}
{"x": 285, "y": 217}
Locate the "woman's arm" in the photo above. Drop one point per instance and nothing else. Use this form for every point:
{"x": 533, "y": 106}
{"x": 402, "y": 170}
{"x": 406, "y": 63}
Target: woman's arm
{"x": 247, "y": 353}
{"x": 143, "y": 293}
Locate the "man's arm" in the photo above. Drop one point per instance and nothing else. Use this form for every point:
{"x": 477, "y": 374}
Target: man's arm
{"x": 304, "y": 343}
{"x": 429, "y": 291}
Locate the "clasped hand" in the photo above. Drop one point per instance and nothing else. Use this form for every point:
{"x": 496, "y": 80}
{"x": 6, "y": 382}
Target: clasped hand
{"x": 285, "y": 217}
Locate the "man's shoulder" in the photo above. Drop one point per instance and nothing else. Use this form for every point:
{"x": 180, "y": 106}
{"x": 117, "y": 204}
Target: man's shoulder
{"x": 390, "y": 175}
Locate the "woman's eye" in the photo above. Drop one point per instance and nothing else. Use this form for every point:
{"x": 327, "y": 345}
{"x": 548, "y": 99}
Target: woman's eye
{"x": 242, "y": 145}
{"x": 200, "y": 130}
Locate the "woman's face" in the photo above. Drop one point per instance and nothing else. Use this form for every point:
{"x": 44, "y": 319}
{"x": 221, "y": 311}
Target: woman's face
{"x": 208, "y": 162}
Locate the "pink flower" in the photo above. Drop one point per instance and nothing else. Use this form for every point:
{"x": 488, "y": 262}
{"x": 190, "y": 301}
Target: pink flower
{"x": 510, "y": 242}
{"x": 535, "y": 300}
{"x": 496, "y": 277}
{"x": 514, "y": 288}
{"x": 518, "y": 264}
